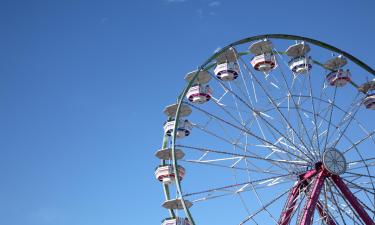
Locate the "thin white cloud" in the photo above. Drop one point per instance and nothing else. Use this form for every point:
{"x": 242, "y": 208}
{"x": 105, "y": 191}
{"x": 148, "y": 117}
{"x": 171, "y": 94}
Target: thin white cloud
{"x": 199, "y": 12}
{"x": 214, "y": 4}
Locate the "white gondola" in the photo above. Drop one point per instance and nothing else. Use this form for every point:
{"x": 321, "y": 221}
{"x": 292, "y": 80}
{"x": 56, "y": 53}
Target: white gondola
{"x": 369, "y": 101}
{"x": 300, "y": 65}
{"x": 176, "y": 204}
{"x": 183, "y": 129}
{"x": 166, "y": 154}
{"x": 227, "y": 71}
{"x": 338, "y": 78}
{"x": 264, "y": 60}
{"x": 199, "y": 93}
{"x": 171, "y": 110}
{"x": 166, "y": 173}
{"x": 175, "y": 221}
{"x": 299, "y": 62}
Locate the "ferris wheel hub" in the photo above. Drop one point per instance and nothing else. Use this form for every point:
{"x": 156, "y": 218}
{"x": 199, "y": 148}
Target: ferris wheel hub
{"x": 334, "y": 161}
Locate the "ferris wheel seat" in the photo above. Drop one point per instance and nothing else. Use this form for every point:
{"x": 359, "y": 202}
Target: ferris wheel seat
{"x": 199, "y": 94}
{"x": 176, "y": 221}
{"x": 183, "y": 129}
{"x": 264, "y": 62}
{"x": 166, "y": 175}
{"x": 227, "y": 71}
{"x": 338, "y": 78}
{"x": 369, "y": 101}
{"x": 300, "y": 64}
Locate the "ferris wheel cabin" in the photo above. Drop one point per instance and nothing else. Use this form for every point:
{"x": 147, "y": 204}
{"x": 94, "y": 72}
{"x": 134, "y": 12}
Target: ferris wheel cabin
{"x": 264, "y": 59}
{"x": 227, "y": 71}
{"x": 227, "y": 68}
{"x": 166, "y": 174}
{"x": 369, "y": 101}
{"x": 299, "y": 62}
{"x": 199, "y": 92}
{"x": 176, "y": 221}
{"x": 337, "y": 77}
{"x": 183, "y": 128}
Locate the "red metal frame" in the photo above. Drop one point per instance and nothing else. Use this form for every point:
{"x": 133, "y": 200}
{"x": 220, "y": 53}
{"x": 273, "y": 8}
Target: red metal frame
{"x": 313, "y": 198}
{"x": 286, "y": 215}
{"x": 352, "y": 200}
{"x": 317, "y": 177}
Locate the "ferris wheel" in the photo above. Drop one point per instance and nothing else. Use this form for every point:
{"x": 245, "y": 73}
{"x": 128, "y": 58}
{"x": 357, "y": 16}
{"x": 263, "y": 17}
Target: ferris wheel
{"x": 271, "y": 129}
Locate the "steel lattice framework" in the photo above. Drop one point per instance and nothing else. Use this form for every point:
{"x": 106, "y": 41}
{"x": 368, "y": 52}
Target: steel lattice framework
{"x": 289, "y": 132}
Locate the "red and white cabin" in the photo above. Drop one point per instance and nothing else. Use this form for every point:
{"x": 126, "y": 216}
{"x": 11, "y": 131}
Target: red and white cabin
{"x": 227, "y": 71}
{"x": 166, "y": 174}
{"x": 338, "y": 78}
{"x": 264, "y": 62}
{"x": 300, "y": 65}
{"x": 176, "y": 221}
{"x": 199, "y": 94}
{"x": 369, "y": 101}
{"x": 299, "y": 62}
{"x": 183, "y": 129}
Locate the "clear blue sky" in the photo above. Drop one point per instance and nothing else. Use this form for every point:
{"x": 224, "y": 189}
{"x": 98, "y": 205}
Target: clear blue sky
{"x": 83, "y": 84}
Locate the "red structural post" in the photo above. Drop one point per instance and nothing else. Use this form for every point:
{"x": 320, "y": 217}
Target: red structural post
{"x": 361, "y": 212}
{"x": 313, "y": 198}
{"x": 290, "y": 205}
{"x": 324, "y": 215}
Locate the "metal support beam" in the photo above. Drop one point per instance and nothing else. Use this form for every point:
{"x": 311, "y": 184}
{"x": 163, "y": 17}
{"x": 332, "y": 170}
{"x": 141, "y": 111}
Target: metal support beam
{"x": 313, "y": 198}
{"x": 361, "y": 212}
{"x": 324, "y": 215}
{"x": 290, "y": 205}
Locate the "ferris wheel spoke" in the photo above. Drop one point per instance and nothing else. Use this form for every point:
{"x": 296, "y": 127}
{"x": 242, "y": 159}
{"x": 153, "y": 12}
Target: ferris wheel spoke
{"x": 361, "y": 175}
{"x": 347, "y": 208}
{"x": 251, "y": 216}
{"x": 346, "y": 127}
{"x": 359, "y": 188}
{"x": 279, "y": 172}
{"x": 297, "y": 106}
{"x": 355, "y": 144}
{"x": 236, "y": 185}
{"x": 314, "y": 122}
{"x": 245, "y": 130}
{"x": 234, "y": 144}
{"x": 330, "y": 119}
{"x": 306, "y": 153}
{"x": 272, "y": 101}
{"x": 334, "y": 201}
{"x": 298, "y": 163}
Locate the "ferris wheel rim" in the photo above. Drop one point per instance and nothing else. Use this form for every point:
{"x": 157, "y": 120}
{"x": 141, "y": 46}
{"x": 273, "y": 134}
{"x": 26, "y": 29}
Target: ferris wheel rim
{"x": 180, "y": 101}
